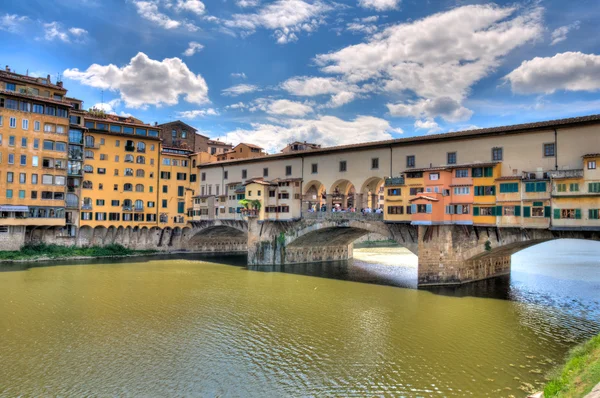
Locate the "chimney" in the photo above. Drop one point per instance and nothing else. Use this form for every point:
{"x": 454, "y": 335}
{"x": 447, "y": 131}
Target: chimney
{"x": 59, "y": 84}
{"x": 7, "y": 68}
{"x": 48, "y": 79}
{"x": 155, "y": 124}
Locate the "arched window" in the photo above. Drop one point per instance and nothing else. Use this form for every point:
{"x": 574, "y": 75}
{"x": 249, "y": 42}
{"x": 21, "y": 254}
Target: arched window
{"x": 139, "y": 204}
{"x": 139, "y": 188}
{"x": 140, "y": 159}
{"x": 89, "y": 155}
{"x": 89, "y": 141}
{"x": 127, "y": 204}
{"x": 87, "y": 204}
{"x": 129, "y": 158}
{"x": 141, "y": 147}
{"x": 87, "y": 185}
{"x": 139, "y": 173}
{"x": 128, "y": 172}
{"x": 72, "y": 200}
{"x": 127, "y": 187}
{"x": 88, "y": 169}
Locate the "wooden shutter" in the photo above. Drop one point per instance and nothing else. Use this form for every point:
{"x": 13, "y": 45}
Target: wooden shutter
{"x": 499, "y": 211}
{"x": 526, "y": 211}
{"x": 547, "y": 211}
{"x": 518, "y": 211}
{"x": 428, "y": 208}
{"x": 475, "y": 211}
{"x": 578, "y": 214}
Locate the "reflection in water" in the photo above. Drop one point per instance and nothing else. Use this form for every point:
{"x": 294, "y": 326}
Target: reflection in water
{"x": 188, "y": 327}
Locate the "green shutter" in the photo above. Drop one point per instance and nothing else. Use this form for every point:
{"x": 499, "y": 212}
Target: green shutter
{"x": 518, "y": 211}
{"x": 488, "y": 172}
{"x": 516, "y": 187}
{"x": 526, "y": 211}
{"x": 591, "y": 214}
{"x": 547, "y": 211}
{"x": 556, "y": 214}
{"x": 475, "y": 211}
{"x": 578, "y": 214}
{"x": 540, "y": 187}
{"x": 538, "y": 204}
{"x": 499, "y": 211}
{"x": 530, "y": 187}
{"x": 493, "y": 190}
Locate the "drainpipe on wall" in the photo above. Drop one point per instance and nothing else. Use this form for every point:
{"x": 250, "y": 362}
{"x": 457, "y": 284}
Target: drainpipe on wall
{"x": 555, "y": 150}
{"x": 391, "y": 163}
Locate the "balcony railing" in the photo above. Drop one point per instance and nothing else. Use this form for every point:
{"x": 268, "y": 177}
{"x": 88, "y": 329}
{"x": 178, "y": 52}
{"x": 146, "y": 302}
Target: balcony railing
{"x": 327, "y": 215}
{"x": 86, "y": 206}
{"x": 127, "y": 208}
{"x": 141, "y": 150}
{"x": 139, "y": 208}
{"x": 129, "y": 148}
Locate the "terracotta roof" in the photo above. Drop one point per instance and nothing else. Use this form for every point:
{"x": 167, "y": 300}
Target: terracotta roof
{"x": 30, "y": 79}
{"x": 591, "y": 155}
{"x": 511, "y": 129}
{"x": 180, "y": 122}
{"x": 249, "y": 145}
{"x": 217, "y": 142}
{"x": 39, "y": 98}
{"x": 425, "y": 197}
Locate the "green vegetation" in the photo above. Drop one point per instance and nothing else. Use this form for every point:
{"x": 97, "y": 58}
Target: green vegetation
{"x": 250, "y": 204}
{"x": 376, "y": 243}
{"x": 579, "y": 375}
{"x": 32, "y": 252}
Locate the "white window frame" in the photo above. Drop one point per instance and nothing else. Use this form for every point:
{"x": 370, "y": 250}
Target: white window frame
{"x": 12, "y": 122}
{"x": 25, "y": 124}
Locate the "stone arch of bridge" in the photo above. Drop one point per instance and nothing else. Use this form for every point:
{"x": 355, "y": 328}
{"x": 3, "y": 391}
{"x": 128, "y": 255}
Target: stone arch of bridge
{"x": 334, "y": 233}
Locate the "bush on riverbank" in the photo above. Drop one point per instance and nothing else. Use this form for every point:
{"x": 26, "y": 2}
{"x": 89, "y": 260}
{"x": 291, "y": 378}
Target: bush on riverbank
{"x": 579, "y": 375}
{"x": 376, "y": 243}
{"x": 42, "y": 250}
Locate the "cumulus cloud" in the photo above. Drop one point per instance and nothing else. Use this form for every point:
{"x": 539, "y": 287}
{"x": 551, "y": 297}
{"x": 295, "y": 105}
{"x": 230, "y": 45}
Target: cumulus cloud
{"x": 440, "y": 56}
{"x": 247, "y": 3}
{"x": 240, "y": 89}
{"x": 149, "y": 11}
{"x": 341, "y": 98}
{"x": 560, "y": 34}
{"x": 12, "y": 22}
{"x": 448, "y": 108}
{"x": 145, "y": 81}
{"x": 289, "y": 108}
{"x": 108, "y": 107}
{"x": 379, "y": 5}
{"x": 430, "y": 125}
{"x": 193, "y": 48}
{"x": 286, "y": 18}
{"x": 198, "y": 113}
{"x": 195, "y": 6}
{"x": 325, "y": 130}
{"x": 570, "y": 71}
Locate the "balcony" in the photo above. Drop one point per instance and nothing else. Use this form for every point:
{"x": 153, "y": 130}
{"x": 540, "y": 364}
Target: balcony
{"x": 138, "y": 208}
{"x": 127, "y": 208}
{"x": 141, "y": 150}
{"x": 86, "y": 206}
{"x": 129, "y": 148}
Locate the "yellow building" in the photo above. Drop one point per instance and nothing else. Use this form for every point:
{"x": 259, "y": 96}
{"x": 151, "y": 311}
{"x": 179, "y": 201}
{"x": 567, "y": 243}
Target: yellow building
{"x": 576, "y": 196}
{"x": 242, "y": 151}
{"x": 484, "y": 191}
{"x": 177, "y": 185}
{"x": 396, "y": 200}
{"x": 34, "y": 122}
{"x": 120, "y": 172}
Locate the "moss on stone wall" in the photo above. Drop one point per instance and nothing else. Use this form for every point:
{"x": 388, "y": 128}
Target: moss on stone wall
{"x": 39, "y": 251}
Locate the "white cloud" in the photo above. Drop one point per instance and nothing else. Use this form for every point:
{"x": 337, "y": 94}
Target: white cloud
{"x": 198, "y": 113}
{"x": 195, "y": 6}
{"x": 12, "y": 22}
{"x": 145, "y": 81}
{"x": 289, "y": 108}
{"x": 430, "y": 125}
{"x": 341, "y": 98}
{"x": 78, "y": 32}
{"x": 560, "y": 34}
{"x": 193, "y": 48}
{"x": 313, "y": 86}
{"x": 241, "y": 75}
{"x": 379, "y": 5}
{"x": 570, "y": 71}
{"x": 247, "y": 3}
{"x": 286, "y": 18}
{"x": 149, "y": 10}
{"x": 442, "y": 55}
{"x": 240, "y": 89}
{"x": 239, "y": 105}
{"x": 325, "y": 130}
{"x": 448, "y": 108}
{"x": 108, "y": 107}
{"x": 357, "y": 27}
{"x": 53, "y": 31}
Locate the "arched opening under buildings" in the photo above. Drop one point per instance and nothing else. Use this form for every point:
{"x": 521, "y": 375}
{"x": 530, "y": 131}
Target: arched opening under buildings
{"x": 371, "y": 193}
{"x": 342, "y": 195}
{"x": 314, "y": 196}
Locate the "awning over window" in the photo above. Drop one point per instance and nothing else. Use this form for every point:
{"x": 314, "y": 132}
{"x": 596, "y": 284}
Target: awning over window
{"x": 13, "y": 208}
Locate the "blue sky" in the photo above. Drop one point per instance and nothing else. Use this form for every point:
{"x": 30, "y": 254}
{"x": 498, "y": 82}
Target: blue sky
{"x": 271, "y": 72}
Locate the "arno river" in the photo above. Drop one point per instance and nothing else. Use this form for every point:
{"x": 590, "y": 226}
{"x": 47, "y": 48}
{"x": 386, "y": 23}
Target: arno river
{"x": 187, "y": 327}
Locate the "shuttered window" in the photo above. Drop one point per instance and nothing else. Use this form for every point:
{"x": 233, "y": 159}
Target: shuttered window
{"x": 526, "y": 211}
{"x": 594, "y": 187}
{"x": 509, "y": 187}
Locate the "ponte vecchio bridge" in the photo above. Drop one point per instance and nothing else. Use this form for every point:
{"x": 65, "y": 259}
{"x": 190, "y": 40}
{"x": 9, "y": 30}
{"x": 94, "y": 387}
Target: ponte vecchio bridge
{"x": 463, "y": 201}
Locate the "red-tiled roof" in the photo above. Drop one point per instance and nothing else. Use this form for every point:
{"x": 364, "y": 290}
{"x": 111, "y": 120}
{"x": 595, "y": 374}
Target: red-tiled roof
{"x": 591, "y": 155}
{"x": 30, "y": 80}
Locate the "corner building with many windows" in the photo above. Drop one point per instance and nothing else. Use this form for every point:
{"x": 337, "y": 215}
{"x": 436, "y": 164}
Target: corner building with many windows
{"x": 34, "y": 122}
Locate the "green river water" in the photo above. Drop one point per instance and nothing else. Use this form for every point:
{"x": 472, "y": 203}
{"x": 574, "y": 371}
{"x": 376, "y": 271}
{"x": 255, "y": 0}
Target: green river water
{"x": 186, "y": 326}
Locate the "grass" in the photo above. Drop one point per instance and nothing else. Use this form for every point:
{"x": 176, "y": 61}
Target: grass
{"x": 376, "y": 243}
{"x": 579, "y": 375}
{"x": 42, "y": 250}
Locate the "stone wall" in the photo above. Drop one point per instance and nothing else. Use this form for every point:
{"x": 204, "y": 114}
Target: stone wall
{"x": 12, "y": 238}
